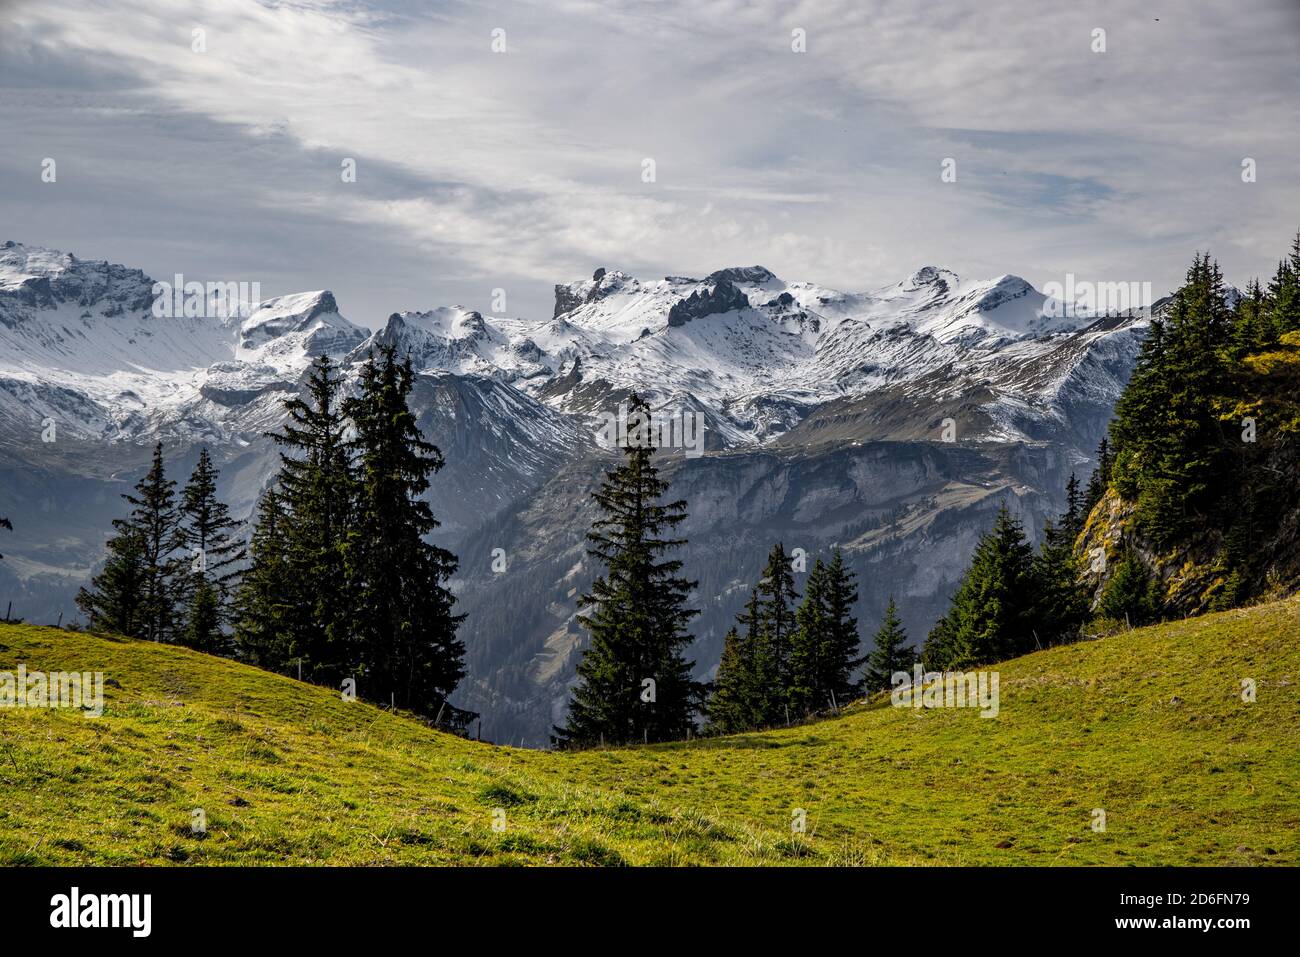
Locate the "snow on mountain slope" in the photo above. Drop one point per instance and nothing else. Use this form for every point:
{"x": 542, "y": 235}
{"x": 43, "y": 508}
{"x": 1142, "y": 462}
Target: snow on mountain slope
{"x": 750, "y": 352}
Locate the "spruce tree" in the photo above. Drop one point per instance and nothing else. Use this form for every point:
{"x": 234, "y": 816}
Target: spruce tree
{"x": 317, "y": 489}
{"x": 114, "y": 600}
{"x": 728, "y": 709}
{"x": 1073, "y": 521}
{"x": 1100, "y": 479}
{"x": 1130, "y": 592}
{"x": 776, "y": 634}
{"x": 137, "y": 592}
{"x": 263, "y": 603}
{"x": 841, "y": 657}
{"x": 891, "y": 653}
{"x": 207, "y": 534}
{"x": 806, "y": 691}
{"x": 408, "y": 647}
{"x": 990, "y": 616}
{"x": 634, "y": 682}
{"x": 1060, "y": 599}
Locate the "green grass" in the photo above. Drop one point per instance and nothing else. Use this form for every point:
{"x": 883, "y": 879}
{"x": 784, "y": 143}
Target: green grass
{"x": 1149, "y": 726}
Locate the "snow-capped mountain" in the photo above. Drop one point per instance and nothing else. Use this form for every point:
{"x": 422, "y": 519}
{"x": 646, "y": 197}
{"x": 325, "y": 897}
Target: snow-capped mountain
{"x": 886, "y": 422}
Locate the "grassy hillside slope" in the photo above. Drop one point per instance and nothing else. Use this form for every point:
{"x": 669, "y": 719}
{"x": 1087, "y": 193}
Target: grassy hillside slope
{"x": 1149, "y": 726}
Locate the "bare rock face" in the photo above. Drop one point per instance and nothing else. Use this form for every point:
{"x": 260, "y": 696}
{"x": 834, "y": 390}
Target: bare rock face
{"x": 723, "y": 297}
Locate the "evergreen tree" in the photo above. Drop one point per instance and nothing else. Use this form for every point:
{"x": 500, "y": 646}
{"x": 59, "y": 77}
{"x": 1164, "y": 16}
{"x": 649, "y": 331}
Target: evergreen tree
{"x": 1252, "y": 327}
{"x": 317, "y": 489}
{"x": 1172, "y": 451}
{"x": 1131, "y": 592}
{"x": 1100, "y": 478}
{"x": 263, "y": 608}
{"x": 729, "y": 705}
{"x": 1073, "y": 521}
{"x": 408, "y": 646}
{"x": 1061, "y": 600}
{"x": 806, "y": 691}
{"x": 776, "y": 634}
{"x": 891, "y": 653}
{"x": 1284, "y": 294}
{"x": 737, "y": 700}
{"x": 840, "y": 657}
{"x": 137, "y": 591}
{"x": 634, "y": 682}
{"x": 207, "y": 534}
{"x": 990, "y": 615}
{"x": 4, "y": 523}
{"x": 114, "y": 602}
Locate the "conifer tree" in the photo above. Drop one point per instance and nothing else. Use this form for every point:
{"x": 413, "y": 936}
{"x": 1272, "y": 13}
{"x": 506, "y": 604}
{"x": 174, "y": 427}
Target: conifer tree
{"x": 5, "y": 523}
{"x": 114, "y": 600}
{"x": 841, "y": 657}
{"x": 263, "y": 603}
{"x": 1073, "y": 520}
{"x": 806, "y": 691}
{"x": 139, "y": 587}
{"x": 1284, "y": 294}
{"x": 990, "y": 615}
{"x": 1100, "y": 478}
{"x": 1252, "y": 327}
{"x": 317, "y": 490}
{"x": 1172, "y": 451}
{"x": 891, "y": 653}
{"x": 207, "y": 534}
{"x": 408, "y": 647}
{"x": 776, "y": 633}
{"x": 736, "y": 702}
{"x": 634, "y": 682}
{"x": 1130, "y": 593}
{"x": 1060, "y": 599}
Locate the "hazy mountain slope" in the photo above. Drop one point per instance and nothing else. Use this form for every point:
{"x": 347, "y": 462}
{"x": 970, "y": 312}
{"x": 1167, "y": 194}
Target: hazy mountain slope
{"x": 825, "y": 414}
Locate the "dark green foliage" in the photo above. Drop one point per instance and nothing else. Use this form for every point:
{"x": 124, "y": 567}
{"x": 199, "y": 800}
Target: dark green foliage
{"x": 262, "y": 604}
{"x": 777, "y": 629}
{"x": 1172, "y": 451}
{"x": 891, "y": 653}
{"x": 207, "y": 533}
{"x": 1076, "y": 514}
{"x": 114, "y": 601}
{"x": 840, "y": 657}
{"x": 5, "y": 523}
{"x": 991, "y": 617}
{"x": 317, "y": 490}
{"x": 634, "y": 683}
{"x": 1061, "y": 599}
{"x": 794, "y": 658}
{"x": 343, "y": 583}
{"x": 1130, "y": 594}
{"x": 805, "y": 690}
{"x": 136, "y": 593}
{"x": 404, "y": 627}
{"x": 1100, "y": 479}
{"x": 1204, "y": 433}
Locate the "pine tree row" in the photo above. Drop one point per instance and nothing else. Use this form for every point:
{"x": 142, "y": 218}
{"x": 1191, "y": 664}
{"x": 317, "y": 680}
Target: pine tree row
{"x": 171, "y": 563}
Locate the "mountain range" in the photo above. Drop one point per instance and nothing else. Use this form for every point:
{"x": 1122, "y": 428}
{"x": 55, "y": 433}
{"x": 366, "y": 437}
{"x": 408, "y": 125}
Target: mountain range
{"x": 888, "y": 423}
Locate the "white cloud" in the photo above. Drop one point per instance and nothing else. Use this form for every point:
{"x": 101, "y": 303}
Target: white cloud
{"x": 478, "y": 170}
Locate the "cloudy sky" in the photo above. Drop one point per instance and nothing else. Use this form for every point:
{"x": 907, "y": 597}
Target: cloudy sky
{"x": 478, "y": 169}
